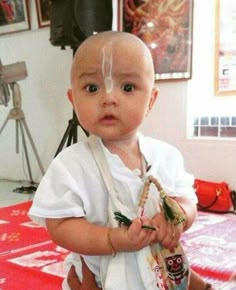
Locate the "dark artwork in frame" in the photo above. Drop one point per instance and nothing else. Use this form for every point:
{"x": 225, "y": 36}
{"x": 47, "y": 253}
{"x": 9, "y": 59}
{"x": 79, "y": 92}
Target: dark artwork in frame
{"x": 166, "y": 28}
{"x": 43, "y": 12}
{"x": 14, "y": 16}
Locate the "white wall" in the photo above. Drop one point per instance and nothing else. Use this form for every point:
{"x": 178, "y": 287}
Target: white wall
{"x": 48, "y": 111}
{"x": 43, "y": 97}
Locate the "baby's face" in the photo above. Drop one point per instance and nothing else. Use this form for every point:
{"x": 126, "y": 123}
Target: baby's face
{"x": 112, "y": 88}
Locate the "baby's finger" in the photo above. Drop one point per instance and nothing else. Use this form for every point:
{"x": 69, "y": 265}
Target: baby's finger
{"x": 137, "y": 235}
{"x": 169, "y": 238}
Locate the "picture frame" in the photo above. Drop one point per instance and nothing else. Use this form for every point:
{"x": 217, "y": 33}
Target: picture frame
{"x": 14, "y": 16}
{"x": 225, "y": 48}
{"x": 166, "y": 28}
{"x": 43, "y": 12}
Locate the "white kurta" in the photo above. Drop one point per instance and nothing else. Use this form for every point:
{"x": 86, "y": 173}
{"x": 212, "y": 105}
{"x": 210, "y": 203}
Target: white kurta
{"x": 73, "y": 186}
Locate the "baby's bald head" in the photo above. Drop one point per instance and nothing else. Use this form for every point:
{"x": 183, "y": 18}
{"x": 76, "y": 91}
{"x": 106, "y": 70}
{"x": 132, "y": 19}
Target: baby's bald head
{"x": 110, "y": 51}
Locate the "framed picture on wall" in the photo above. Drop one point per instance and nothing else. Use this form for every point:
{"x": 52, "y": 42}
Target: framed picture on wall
{"x": 225, "y": 44}
{"x": 14, "y": 16}
{"x": 166, "y": 28}
{"x": 43, "y": 12}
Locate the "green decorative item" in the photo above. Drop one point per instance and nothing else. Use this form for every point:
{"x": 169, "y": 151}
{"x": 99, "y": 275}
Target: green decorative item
{"x": 172, "y": 211}
{"x": 123, "y": 220}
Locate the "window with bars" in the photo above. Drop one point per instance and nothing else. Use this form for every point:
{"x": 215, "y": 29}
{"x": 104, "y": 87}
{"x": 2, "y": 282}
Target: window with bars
{"x": 213, "y": 126}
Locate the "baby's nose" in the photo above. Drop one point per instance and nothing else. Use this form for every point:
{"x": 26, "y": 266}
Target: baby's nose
{"x": 109, "y": 98}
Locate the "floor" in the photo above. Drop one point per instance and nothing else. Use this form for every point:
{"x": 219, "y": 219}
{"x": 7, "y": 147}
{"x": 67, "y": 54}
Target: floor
{"x": 13, "y": 192}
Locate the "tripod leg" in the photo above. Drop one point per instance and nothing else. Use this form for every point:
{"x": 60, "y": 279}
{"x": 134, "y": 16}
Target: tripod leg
{"x": 4, "y": 125}
{"x": 73, "y": 134}
{"x": 63, "y": 141}
{"x": 26, "y": 151}
{"x": 17, "y": 136}
{"x": 69, "y": 141}
{"x": 33, "y": 146}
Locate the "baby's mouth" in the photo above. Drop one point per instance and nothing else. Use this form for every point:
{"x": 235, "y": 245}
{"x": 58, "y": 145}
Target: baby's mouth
{"x": 109, "y": 118}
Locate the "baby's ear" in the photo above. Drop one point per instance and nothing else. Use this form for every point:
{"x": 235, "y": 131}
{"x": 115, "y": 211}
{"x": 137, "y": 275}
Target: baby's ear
{"x": 153, "y": 98}
{"x": 69, "y": 95}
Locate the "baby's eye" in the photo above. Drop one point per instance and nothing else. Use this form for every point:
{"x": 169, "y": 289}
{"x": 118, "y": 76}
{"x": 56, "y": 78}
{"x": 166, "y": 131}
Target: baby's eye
{"x": 92, "y": 88}
{"x": 128, "y": 87}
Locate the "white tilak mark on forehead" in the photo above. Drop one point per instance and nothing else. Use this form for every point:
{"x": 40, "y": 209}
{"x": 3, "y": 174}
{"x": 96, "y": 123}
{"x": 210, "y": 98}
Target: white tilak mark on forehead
{"x": 107, "y": 67}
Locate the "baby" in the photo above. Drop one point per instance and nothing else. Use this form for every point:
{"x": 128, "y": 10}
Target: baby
{"x": 113, "y": 90}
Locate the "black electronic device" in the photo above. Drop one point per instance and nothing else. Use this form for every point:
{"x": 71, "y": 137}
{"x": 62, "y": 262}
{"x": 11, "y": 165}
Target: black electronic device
{"x": 72, "y": 21}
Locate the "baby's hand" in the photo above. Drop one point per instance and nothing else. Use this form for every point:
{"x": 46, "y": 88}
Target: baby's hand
{"x": 168, "y": 235}
{"x": 136, "y": 237}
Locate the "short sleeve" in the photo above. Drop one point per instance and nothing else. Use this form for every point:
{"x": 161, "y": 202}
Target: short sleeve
{"x": 71, "y": 187}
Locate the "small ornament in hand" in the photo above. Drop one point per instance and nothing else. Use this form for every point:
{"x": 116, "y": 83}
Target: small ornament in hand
{"x": 123, "y": 220}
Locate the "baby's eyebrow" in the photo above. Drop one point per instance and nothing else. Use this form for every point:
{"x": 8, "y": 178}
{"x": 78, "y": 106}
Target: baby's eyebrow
{"x": 131, "y": 74}
{"x": 88, "y": 74}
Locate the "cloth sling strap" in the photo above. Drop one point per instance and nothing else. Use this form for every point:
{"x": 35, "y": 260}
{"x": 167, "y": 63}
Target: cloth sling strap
{"x": 105, "y": 171}
{"x": 101, "y": 161}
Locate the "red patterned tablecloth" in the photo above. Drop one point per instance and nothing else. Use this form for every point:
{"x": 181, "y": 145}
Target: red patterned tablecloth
{"x": 210, "y": 245}
{"x": 30, "y": 260}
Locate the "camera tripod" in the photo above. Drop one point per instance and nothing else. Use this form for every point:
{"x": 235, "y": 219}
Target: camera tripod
{"x": 17, "y": 114}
